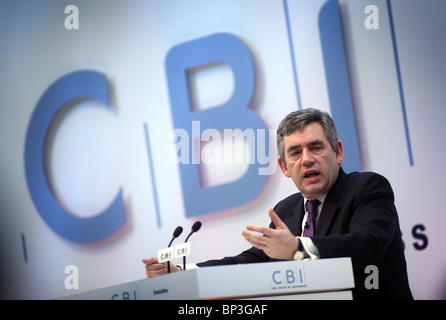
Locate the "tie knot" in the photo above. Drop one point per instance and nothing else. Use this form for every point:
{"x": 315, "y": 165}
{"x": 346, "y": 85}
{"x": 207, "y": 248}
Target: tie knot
{"x": 312, "y": 205}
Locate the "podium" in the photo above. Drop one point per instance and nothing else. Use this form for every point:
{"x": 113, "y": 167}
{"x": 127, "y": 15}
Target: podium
{"x": 312, "y": 279}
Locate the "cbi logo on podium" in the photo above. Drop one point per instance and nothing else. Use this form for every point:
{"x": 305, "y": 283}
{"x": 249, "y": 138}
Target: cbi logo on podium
{"x": 180, "y": 250}
{"x": 288, "y": 278}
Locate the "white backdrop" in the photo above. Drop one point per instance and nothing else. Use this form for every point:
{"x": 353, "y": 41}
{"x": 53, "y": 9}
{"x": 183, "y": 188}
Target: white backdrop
{"x": 396, "y": 78}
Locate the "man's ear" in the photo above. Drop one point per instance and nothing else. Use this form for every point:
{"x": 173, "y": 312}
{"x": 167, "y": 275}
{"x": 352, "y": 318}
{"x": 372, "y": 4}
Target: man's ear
{"x": 283, "y": 167}
{"x": 339, "y": 150}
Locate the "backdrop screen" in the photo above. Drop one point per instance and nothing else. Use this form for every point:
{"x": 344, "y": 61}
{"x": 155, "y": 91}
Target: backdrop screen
{"x": 121, "y": 120}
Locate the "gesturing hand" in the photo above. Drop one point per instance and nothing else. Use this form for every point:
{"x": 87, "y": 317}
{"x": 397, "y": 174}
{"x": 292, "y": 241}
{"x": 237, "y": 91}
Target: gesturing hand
{"x": 277, "y": 243}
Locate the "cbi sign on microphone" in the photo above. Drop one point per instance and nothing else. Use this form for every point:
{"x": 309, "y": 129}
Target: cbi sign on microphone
{"x": 180, "y": 250}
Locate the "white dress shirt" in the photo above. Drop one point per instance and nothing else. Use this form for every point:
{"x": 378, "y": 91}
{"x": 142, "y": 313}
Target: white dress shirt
{"x": 307, "y": 243}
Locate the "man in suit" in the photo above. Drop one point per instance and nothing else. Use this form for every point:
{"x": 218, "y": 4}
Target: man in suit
{"x": 355, "y": 216}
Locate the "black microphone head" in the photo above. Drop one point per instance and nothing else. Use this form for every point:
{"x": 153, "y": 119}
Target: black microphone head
{"x": 196, "y": 226}
{"x": 177, "y": 232}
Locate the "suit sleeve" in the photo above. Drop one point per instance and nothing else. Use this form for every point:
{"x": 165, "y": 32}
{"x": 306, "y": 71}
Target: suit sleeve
{"x": 251, "y": 255}
{"x": 367, "y": 224}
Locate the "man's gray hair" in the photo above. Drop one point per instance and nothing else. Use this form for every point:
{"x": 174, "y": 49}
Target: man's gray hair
{"x": 297, "y": 120}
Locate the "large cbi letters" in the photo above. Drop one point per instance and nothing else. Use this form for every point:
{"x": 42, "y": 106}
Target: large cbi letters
{"x": 92, "y": 85}
{"x": 235, "y": 113}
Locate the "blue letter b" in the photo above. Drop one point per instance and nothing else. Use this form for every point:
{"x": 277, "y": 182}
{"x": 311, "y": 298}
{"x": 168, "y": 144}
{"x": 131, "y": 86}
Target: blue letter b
{"x": 233, "y": 114}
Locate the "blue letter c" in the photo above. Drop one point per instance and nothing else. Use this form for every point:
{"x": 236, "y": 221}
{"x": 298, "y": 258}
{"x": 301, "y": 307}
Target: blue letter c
{"x": 80, "y": 84}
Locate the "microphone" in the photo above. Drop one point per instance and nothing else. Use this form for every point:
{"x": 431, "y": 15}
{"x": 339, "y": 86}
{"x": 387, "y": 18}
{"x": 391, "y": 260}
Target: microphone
{"x": 176, "y": 234}
{"x": 306, "y": 225}
{"x": 195, "y": 227}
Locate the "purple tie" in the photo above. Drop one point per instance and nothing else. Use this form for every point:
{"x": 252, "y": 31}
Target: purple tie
{"x": 311, "y": 217}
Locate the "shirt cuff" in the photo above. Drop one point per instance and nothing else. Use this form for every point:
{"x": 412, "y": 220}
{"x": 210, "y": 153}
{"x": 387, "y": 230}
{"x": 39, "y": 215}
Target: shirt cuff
{"x": 309, "y": 247}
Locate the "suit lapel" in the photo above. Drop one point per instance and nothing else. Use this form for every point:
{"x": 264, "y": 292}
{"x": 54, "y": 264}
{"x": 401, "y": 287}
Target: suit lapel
{"x": 327, "y": 215}
{"x": 329, "y": 210}
{"x": 294, "y": 220}
{"x": 298, "y": 216}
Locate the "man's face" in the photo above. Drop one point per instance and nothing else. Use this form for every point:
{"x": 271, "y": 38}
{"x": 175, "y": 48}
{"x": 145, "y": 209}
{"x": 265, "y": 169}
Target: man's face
{"x": 310, "y": 161}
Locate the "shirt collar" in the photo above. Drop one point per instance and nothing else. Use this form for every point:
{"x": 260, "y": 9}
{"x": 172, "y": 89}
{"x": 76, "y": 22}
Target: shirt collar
{"x": 320, "y": 198}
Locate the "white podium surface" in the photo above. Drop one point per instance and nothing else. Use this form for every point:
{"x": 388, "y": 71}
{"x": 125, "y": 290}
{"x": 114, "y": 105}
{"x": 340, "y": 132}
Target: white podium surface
{"x": 312, "y": 279}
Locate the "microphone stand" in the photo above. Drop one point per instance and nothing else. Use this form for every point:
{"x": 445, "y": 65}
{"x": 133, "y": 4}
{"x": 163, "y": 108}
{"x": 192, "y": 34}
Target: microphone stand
{"x": 176, "y": 234}
{"x": 196, "y": 226}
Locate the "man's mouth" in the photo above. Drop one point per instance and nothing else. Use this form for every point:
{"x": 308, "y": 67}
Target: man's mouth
{"x": 311, "y": 174}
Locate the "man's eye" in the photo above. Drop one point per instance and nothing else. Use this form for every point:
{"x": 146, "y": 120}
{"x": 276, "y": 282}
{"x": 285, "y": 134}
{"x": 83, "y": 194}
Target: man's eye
{"x": 295, "y": 154}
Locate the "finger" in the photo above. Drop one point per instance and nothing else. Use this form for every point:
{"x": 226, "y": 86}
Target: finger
{"x": 155, "y": 273}
{"x": 155, "y": 266}
{"x": 150, "y": 260}
{"x": 265, "y": 231}
{"x": 257, "y": 228}
{"x": 151, "y": 264}
{"x": 276, "y": 220}
{"x": 255, "y": 239}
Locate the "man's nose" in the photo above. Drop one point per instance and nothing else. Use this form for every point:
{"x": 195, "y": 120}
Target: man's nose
{"x": 307, "y": 157}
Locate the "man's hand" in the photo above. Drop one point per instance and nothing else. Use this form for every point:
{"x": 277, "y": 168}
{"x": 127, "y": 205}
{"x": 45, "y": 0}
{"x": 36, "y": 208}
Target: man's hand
{"x": 277, "y": 243}
{"x": 153, "y": 268}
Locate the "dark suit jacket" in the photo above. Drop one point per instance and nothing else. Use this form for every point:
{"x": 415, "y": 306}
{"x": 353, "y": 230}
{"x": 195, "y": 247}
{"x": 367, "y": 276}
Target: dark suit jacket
{"x": 358, "y": 220}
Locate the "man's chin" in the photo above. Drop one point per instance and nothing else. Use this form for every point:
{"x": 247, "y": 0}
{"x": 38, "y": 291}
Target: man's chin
{"x": 311, "y": 192}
